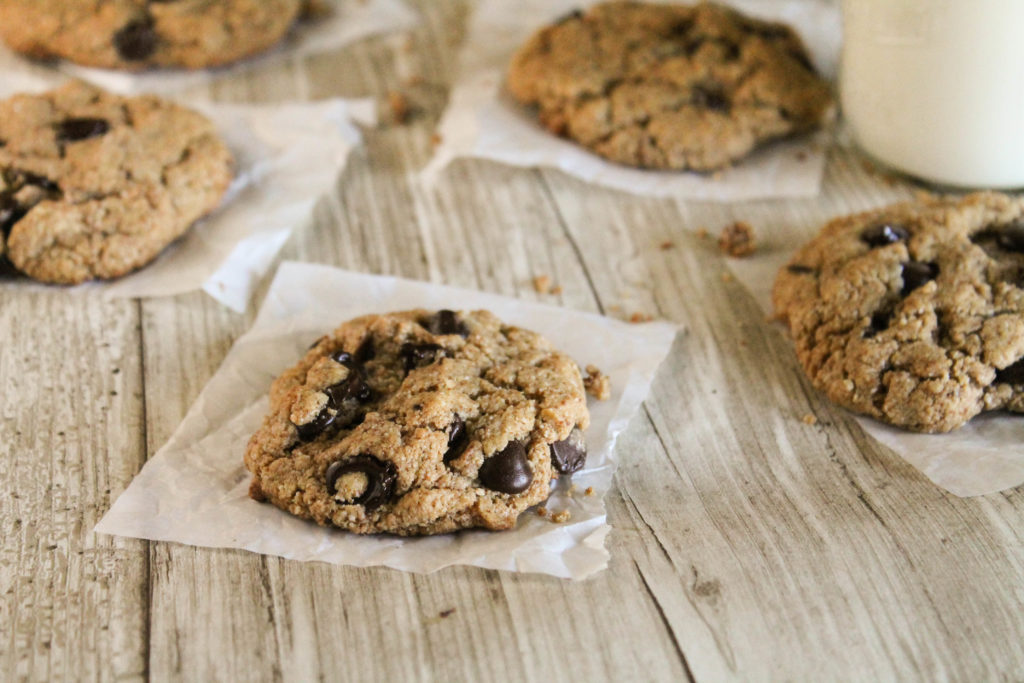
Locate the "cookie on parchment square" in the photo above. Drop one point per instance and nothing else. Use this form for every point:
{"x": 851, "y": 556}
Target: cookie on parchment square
{"x": 420, "y": 422}
{"x": 94, "y": 186}
{"x": 913, "y": 313}
{"x": 669, "y": 86}
{"x": 138, "y": 34}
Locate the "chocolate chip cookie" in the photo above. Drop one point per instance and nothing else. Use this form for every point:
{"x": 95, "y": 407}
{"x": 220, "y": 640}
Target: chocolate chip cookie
{"x": 914, "y": 313}
{"x": 137, "y": 34}
{"x": 669, "y": 86}
{"x": 93, "y": 186}
{"x": 420, "y": 422}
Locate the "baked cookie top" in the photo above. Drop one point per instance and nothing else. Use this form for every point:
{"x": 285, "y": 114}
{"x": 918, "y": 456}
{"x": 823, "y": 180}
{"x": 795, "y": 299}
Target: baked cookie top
{"x": 136, "y": 34}
{"x": 420, "y": 422}
{"x": 913, "y": 313}
{"x": 669, "y": 86}
{"x": 93, "y": 185}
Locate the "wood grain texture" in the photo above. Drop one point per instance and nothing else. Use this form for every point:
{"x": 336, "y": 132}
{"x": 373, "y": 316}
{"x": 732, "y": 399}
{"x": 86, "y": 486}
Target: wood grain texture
{"x": 747, "y": 544}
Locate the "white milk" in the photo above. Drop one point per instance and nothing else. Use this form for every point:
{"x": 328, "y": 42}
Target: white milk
{"x": 935, "y": 88}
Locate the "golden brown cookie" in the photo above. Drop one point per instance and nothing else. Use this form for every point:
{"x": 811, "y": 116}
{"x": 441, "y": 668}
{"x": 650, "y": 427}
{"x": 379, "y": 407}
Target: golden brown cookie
{"x": 137, "y": 34}
{"x": 669, "y": 86}
{"x": 914, "y": 313}
{"x": 420, "y": 422}
{"x": 93, "y": 186}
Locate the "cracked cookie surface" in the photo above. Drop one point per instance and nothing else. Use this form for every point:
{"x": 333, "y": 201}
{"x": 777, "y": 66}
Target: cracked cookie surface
{"x": 913, "y": 313}
{"x": 420, "y": 422}
{"x": 669, "y": 86}
{"x": 137, "y": 34}
{"x": 94, "y": 186}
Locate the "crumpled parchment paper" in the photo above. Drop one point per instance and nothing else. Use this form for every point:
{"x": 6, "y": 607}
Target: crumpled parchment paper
{"x": 483, "y": 122}
{"x": 346, "y": 22}
{"x": 194, "y": 490}
{"x": 286, "y": 157}
{"x": 984, "y": 456}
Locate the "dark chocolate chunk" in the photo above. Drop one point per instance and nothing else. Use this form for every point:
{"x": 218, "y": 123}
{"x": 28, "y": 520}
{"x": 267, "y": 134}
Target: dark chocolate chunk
{"x": 344, "y": 406}
{"x": 883, "y": 234}
{"x": 1011, "y": 237}
{"x": 10, "y": 212}
{"x": 798, "y": 269}
{"x": 380, "y": 479}
{"x": 710, "y": 98}
{"x": 570, "y": 455}
{"x": 313, "y": 428}
{"x": 137, "y": 40}
{"x": 347, "y": 399}
{"x": 508, "y": 470}
{"x": 458, "y": 439}
{"x": 39, "y": 181}
{"x": 420, "y": 355}
{"x": 917, "y": 273}
{"x": 366, "y": 352}
{"x": 343, "y": 357}
{"x": 1011, "y": 374}
{"x": 74, "y": 130}
{"x": 446, "y": 322}
{"x": 879, "y": 321}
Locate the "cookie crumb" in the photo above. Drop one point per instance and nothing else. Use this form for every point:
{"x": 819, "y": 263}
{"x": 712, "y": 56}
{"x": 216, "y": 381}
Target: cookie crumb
{"x": 726, "y": 277}
{"x": 801, "y": 156}
{"x": 589, "y": 491}
{"x": 597, "y": 384}
{"x": 445, "y": 613}
{"x": 542, "y": 284}
{"x": 542, "y": 511}
{"x": 666, "y": 245}
{"x": 640, "y": 318}
{"x": 436, "y": 139}
{"x": 557, "y": 289}
{"x": 702, "y": 233}
{"x": 413, "y": 81}
{"x": 400, "y": 107}
{"x": 561, "y": 516}
{"x": 809, "y": 419}
{"x": 737, "y": 240}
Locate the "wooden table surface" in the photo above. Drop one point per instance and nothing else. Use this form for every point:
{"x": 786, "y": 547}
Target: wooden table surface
{"x": 746, "y": 544}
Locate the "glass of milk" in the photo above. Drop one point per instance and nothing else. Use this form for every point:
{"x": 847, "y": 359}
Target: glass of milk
{"x": 935, "y": 88}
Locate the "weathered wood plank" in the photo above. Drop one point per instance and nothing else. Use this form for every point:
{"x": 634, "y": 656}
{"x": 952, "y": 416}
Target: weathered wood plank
{"x": 806, "y": 550}
{"x": 72, "y": 604}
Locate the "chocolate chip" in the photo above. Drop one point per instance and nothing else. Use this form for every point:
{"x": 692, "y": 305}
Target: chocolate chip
{"x": 380, "y": 479}
{"x": 39, "y": 181}
{"x": 313, "y": 429}
{"x": 420, "y": 355}
{"x": 137, "y": 40}
{"x": 347, "y": 399}
{"x": 709, "y": 98}
{"x": 883, "y": 234}
{"x": 1011, "y": 374}
{"x": 458, "y": 439}
{"x": 343, "y": 409}
{"x": 74, "y": 130}
{"x": 879, "y": 321}
{"x": 446, "y": 322}
{"x": 798, "y": 269}
{"x": 917, "y": 273}
{"x": 508, "y": 470}
{"x": 342, "y": 357}
{"x": 1011, "y": 237}
{"x": 10, "y": 212}
{"x": 366, "y": 352}
{"x": 569, "y": 456}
